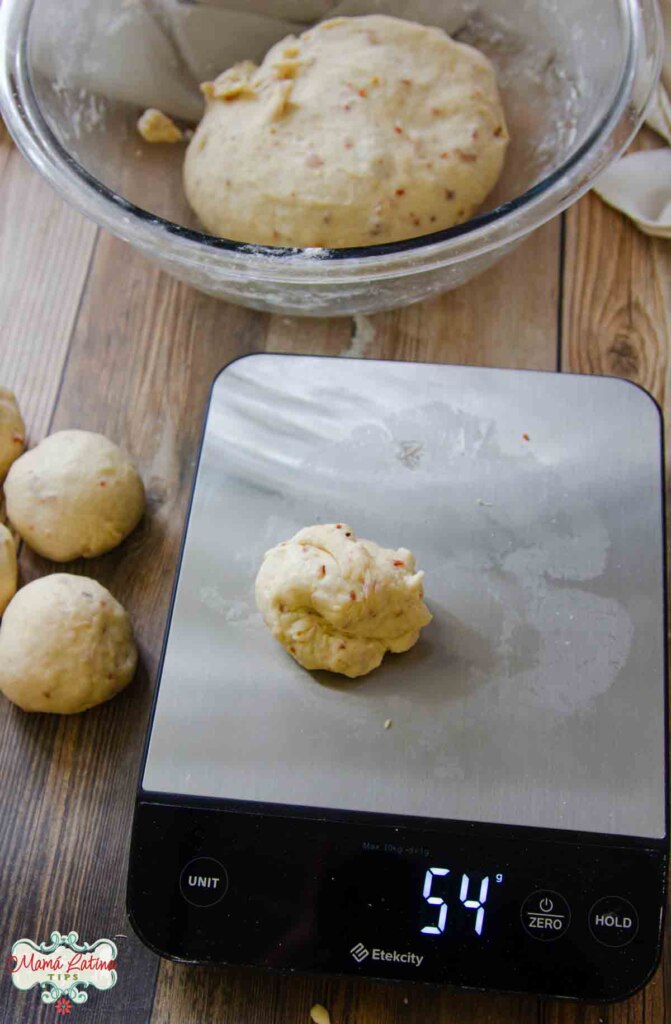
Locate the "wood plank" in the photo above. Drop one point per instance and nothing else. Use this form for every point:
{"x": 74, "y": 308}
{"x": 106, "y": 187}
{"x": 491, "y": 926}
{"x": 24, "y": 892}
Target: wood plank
{"x": 39, "y": 297}
{"x": 507, "y": 317}
{"x": 618, "y": 298}
{"x": 186, "y": 994}
{"x": 40, "y": 287}
{"x": 617, "y": 321}
{"x": 143, "y": 354}
{"x": 5, "y": 146}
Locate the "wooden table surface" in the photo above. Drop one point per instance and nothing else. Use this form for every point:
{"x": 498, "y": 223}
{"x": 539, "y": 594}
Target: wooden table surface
{"x": 94, "y": 336}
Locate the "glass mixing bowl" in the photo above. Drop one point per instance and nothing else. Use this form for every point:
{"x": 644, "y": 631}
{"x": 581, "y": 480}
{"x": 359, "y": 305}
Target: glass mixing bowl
{"x": 575, "y": 79}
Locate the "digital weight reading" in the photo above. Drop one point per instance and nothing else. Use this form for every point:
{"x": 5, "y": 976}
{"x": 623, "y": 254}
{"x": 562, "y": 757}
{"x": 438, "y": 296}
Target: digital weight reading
{"x": 442, "y": 891}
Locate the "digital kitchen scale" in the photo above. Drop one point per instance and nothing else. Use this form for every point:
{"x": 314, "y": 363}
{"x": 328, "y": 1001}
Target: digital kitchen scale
{"x": 488, "y": 810}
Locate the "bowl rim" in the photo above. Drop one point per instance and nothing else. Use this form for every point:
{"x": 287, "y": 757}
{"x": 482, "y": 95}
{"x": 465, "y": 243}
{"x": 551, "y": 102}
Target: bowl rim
{"x": 480, "y": 234}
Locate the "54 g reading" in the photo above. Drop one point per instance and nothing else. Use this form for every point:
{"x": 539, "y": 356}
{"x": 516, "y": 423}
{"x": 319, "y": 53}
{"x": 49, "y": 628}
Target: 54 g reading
{"x": 472, "y": 898}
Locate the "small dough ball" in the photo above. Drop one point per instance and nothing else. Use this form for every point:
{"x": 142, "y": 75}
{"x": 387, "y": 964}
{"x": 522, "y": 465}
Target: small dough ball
{"x": 75, "y": 495}
{"x": 65, "y": 645}
{"x": 12, "y": 431}
{"x": 360, "y": 132}
{"x": 339, "y": 603}
{"x": 9, "y": 572}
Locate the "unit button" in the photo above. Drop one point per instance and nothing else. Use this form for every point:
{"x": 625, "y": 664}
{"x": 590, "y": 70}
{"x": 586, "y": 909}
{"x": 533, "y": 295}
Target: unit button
{"x": 203, "y": 882}
{"x": 546, "y": 915}
{"x": 613, "y": 921}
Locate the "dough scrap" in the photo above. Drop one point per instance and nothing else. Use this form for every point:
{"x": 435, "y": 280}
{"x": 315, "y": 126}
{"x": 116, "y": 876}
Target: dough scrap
{"x": 65, "y": 645}
{"x": 9, "y": 573}
{"x": 339, "y": 603}
{"x": 155, "y": 126}
{"x": 12, "y": 431}
{"x": 361, "y": 131}
{"x": 75, "y": 495}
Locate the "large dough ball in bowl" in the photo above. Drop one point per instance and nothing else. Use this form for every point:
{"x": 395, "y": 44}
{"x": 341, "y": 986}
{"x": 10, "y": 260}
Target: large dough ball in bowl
{"x": 362, "y": 131}
{"x": 65, "y": 645}
{"x": 75, "y": 495}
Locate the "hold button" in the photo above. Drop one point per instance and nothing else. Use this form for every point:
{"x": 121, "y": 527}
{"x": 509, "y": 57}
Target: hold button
{"x": 613, "y": 921}
{"x": 203, "y": 882}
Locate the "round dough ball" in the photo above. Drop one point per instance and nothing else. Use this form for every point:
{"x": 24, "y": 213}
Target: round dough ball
{"x": 65, "y": 645}
{"x": 338, "y": 603}
{"x": 9, "y": 571}
{"x": 12, "y": 431}
{"x": 362, "y": 131}
{"x": 75, "y": 495}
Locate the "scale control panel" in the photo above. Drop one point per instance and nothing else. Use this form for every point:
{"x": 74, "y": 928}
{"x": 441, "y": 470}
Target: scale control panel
{"x": 484, "y": 907}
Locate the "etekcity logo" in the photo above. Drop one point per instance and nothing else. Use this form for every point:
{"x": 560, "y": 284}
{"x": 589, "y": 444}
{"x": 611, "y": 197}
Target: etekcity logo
{"x": 359, "y": 952}
{"x": 63, "y": 968}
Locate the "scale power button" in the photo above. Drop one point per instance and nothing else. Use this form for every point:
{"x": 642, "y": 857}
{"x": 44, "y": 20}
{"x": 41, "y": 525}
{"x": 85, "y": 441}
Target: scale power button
{"x": 613, "y": 921}
{"x": 546, "y": 915}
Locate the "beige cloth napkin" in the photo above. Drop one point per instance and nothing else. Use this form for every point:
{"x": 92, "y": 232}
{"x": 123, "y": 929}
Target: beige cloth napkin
{"x": 640, "y": 184}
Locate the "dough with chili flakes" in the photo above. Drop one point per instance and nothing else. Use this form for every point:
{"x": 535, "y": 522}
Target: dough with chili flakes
{"x": 359, "y": 132}
{"x": 65, "y": 645}
{"x": 75, "y": 495}
{"x": 12, "y": 431}
{"x": 339, "y": 603}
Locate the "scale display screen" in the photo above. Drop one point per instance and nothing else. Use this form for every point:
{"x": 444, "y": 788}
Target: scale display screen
{"x": 436, "y": 879}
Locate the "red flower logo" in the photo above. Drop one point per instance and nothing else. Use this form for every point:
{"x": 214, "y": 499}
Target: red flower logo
{"x": 63, "y": 1006}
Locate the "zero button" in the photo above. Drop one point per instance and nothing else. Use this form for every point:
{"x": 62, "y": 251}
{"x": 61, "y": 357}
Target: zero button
{"x": 546, "y": 915}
